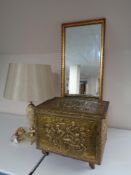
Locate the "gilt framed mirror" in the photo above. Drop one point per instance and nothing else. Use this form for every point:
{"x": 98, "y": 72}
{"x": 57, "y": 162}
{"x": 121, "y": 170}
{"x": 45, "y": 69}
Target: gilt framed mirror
{"x": 82, "y": 63}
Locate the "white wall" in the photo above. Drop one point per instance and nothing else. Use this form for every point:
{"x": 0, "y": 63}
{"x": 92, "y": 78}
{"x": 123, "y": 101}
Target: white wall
{"x": 30, "y": 32}
{"x": 92, "y": 86}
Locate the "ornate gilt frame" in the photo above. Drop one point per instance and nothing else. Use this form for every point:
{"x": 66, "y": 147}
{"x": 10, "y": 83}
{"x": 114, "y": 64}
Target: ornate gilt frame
{"x": 101, "y": 21}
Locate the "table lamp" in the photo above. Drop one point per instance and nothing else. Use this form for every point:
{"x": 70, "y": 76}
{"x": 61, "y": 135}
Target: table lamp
{"x": 30, "y": 83}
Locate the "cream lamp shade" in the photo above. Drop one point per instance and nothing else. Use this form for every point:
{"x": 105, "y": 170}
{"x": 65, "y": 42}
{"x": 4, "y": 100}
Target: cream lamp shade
{"x": 29, "y": 82}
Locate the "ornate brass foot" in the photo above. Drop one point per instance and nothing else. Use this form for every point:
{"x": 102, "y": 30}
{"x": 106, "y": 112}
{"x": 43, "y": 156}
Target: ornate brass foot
{"x": 45, "y": 152}
{"x": 92, "y": 165}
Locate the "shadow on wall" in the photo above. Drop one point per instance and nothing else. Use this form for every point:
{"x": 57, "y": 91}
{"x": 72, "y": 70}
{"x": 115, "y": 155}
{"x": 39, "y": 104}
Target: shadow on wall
{"x": 56, "y": 79}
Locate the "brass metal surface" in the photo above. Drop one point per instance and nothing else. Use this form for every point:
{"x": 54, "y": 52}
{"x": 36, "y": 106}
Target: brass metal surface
{"x": 70, "y": 137}
{"x": 64, "y": 127}
{"x": 64, "y": 26}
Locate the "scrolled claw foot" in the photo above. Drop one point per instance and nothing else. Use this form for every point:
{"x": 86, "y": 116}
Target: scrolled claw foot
{"x": 92, "y": 165}
{"x": 45, "y": 152}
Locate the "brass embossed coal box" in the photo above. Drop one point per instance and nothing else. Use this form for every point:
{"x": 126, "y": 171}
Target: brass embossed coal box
{"x": 72, "y": 126}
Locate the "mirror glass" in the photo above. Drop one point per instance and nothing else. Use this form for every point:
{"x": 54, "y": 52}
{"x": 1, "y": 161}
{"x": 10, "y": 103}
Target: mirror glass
{"x": 82, "y": 58}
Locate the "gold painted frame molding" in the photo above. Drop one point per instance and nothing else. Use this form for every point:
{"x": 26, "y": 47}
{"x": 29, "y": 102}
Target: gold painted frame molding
{"x": 64, "y": 26}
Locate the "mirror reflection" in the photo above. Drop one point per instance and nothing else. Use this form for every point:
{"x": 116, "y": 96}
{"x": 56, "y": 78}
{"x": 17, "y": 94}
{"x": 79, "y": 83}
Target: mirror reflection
{"x": 83, "y": 58}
